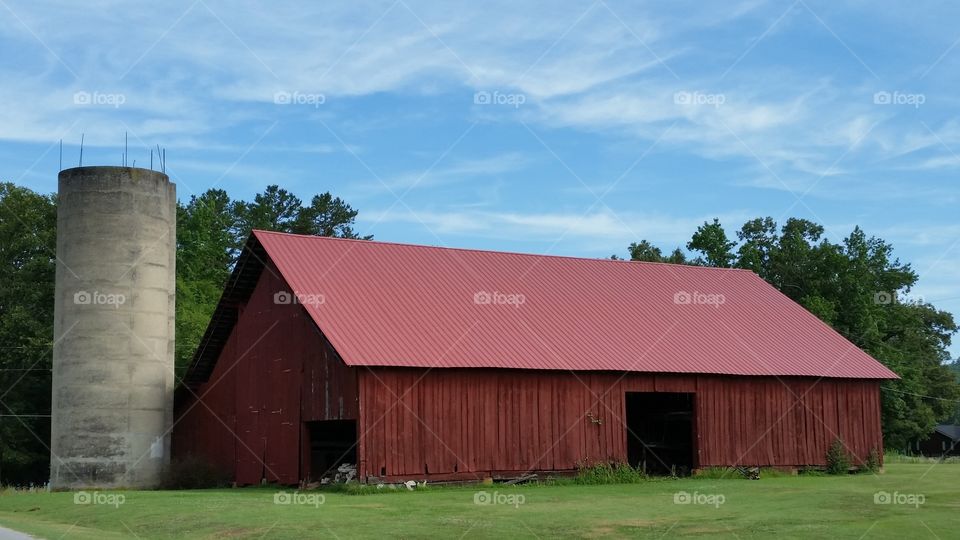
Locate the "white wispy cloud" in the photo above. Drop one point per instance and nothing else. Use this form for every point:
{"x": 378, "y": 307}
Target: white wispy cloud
{"x": 435, "y": 174}
{"x": 608, "y": 229}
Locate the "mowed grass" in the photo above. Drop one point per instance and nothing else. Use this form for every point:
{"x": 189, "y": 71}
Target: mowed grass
{"x": 783, "y": 507}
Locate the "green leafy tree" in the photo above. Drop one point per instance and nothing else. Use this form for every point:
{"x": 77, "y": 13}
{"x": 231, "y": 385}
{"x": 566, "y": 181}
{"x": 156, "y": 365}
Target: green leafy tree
{"x": 276, "y": 209}
{"x": 327, "y": 216}
{"x": 27, "y": 269}
{"x": 912, "y": 340}
{"x": 206, "y": 246}
{"x": 954, "y": 368}
{"x": 676, "y": 257}
{"x": 758, "y": 239}
{"x": 646, "y": 252}
{"x": 712, "y": 242}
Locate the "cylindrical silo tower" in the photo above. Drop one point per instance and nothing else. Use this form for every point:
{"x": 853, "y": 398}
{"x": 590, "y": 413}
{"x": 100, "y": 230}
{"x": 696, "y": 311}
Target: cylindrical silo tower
{"x": 113, "y": 372}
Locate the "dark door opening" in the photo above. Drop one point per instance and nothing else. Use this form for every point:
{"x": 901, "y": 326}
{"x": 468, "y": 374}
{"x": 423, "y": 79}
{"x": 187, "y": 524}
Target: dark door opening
{"x": 660, "y": 432}
{"x": 332, "y": 443}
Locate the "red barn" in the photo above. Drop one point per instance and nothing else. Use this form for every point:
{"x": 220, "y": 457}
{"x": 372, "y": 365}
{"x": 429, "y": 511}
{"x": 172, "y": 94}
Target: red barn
{"x": 418, "y": 362}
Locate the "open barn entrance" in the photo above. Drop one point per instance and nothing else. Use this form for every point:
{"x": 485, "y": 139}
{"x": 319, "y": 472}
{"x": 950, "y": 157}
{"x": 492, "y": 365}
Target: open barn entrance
{"x": 660, "y": 432}
{"x": 332, "y": 443}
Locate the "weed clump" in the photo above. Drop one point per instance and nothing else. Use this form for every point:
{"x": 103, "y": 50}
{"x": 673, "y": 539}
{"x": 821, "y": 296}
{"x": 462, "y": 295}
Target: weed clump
{"x": 838, "y": 462}
{"x": 608, "y": 473}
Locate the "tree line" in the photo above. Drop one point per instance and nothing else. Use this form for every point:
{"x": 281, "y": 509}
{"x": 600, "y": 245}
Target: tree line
{"x": 860, "y": 289}
{"x": 852, "y": 286}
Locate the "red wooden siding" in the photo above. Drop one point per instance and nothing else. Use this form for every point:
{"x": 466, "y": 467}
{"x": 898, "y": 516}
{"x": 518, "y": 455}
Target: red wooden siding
{"x": 275, "y": 372}
{"x": 471, "y": 423}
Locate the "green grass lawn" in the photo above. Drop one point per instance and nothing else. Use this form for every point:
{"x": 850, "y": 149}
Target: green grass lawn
{"x": 782, "y": 507}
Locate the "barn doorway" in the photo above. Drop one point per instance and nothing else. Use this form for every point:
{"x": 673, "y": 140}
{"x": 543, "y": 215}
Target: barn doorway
{"x": 332, "y": 443}
{"x": 660, "y": 432}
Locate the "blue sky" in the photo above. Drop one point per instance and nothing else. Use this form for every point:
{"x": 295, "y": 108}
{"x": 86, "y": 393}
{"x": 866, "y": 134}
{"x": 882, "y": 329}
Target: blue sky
{"x": 564, "y": 128}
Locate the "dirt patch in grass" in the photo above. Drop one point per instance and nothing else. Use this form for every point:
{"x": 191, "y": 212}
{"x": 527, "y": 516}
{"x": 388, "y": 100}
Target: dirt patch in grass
{"x": 619, "y": 528}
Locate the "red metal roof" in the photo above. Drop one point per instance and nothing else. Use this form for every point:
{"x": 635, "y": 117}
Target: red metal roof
{"x": 386, "y": 304}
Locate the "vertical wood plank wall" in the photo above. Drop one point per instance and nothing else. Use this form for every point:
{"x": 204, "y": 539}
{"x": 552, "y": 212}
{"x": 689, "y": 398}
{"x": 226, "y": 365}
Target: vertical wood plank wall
{"x": 277, "y": 372}
{"x": 473, "y": 423}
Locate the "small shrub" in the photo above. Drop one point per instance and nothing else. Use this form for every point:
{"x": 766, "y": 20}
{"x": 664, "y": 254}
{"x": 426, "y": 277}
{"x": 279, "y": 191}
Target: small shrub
{"x": 193, "y": 472}
{"x": 608, "y": 473}
{"x": 872, "y": 464}
{"x": 838, "y": 462}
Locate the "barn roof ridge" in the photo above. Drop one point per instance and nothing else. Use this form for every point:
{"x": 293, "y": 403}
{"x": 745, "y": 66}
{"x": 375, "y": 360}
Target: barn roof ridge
{"x": 499, "y": 252}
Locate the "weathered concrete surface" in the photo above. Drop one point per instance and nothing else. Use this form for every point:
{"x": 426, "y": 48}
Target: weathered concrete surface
{"x": 114, "y": 328}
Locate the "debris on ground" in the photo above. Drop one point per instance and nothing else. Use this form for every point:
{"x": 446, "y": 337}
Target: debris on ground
{"x": 345, "y": 473}
{"x": 522, "y": 479}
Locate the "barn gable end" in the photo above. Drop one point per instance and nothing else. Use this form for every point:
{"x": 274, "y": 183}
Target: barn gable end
{"x": 275, "y": 374}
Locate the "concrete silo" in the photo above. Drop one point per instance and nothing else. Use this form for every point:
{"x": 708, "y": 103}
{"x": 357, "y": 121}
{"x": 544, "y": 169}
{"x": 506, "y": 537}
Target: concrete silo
{"x": 114, "y": 328}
